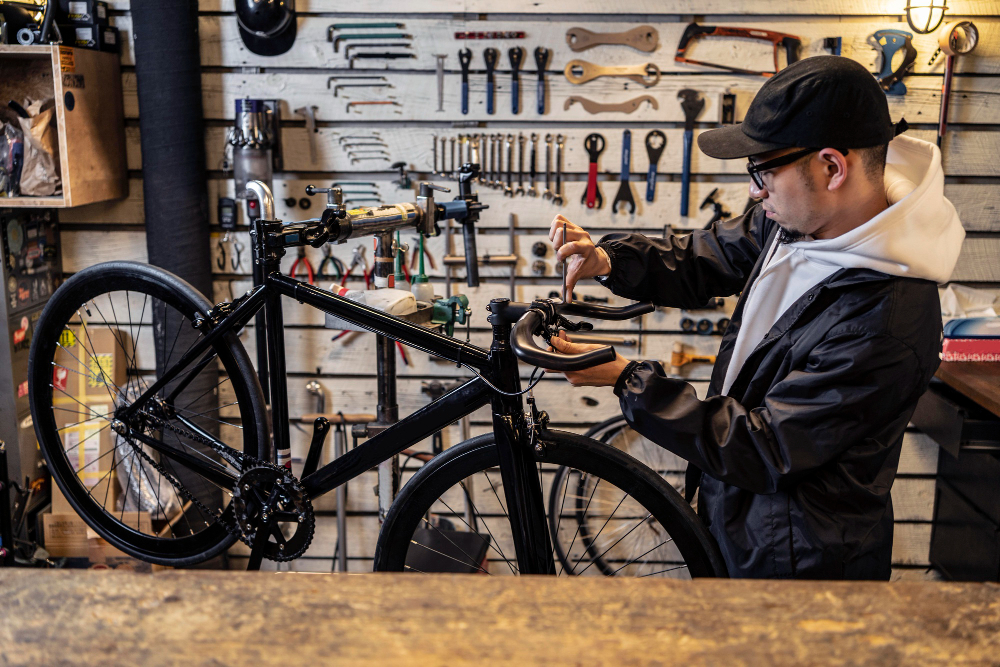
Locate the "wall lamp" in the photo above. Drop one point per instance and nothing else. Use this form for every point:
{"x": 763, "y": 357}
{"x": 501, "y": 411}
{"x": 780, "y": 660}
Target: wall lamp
{"x": 924, "y": 16}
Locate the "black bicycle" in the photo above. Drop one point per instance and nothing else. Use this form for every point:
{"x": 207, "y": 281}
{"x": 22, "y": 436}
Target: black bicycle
{"x": 184, "y": 429}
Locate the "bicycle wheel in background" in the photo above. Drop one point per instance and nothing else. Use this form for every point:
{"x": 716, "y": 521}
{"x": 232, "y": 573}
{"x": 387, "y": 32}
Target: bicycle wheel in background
{"x": 94, "y": 352}
{"x": 638, "y": 523}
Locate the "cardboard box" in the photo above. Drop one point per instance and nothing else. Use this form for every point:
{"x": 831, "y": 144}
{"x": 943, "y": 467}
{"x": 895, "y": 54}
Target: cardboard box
{"x": 67, "y": 536}
{"x": 97, "y": 37}
{"x": 83, "y": 373}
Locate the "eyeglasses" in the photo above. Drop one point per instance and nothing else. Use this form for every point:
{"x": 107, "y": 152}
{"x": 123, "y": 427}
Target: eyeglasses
{"x": 755, "y": 169}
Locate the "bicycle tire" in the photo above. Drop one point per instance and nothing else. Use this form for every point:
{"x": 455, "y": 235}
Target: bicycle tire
{"x": 424, "y": 495}
{"x": 193, "y": 537}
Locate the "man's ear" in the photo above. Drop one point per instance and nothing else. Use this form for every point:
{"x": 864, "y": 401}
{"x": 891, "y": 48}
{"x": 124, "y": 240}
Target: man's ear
{"x": 835, "y": 167}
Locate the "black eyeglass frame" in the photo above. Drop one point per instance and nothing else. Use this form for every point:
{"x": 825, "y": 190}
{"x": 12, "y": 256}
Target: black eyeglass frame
{"x": 755, "y": 169}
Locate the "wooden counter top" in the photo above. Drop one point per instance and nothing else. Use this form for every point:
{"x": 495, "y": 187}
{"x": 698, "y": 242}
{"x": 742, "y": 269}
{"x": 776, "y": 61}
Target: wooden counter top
{"x": 223, "y": 618}
{"x": 980, "y": 381}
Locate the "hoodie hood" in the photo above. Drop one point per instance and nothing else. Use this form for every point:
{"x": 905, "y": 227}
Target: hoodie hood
{"x": 918, "y": 236}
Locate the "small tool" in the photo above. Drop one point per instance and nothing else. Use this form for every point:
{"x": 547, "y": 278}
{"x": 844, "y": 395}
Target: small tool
{"x": 220, "y": 247}
{"x": 340, "y": 86}
{"x": 353, "y": 77}
{"x": 377, "y": 56}
{"x": 496, "y": 160}
{"x": 625, "y": 188}
{"x": 451, "y": 150}
{"x": 643, "y": 38}
{"x": 516, "y": 55}
{"x": 547, "y": 193}
{"x": 679, "y": 357}
{"x": 329, "y": 258}
{"x": 375, "y": 35}
{"x": 440, "y": 79}
{"x": 532, "y": 166}
{"x": 541, "y": 59}
{"x": 374, "y": 45}
{"x": 236, "y": 259}
{"x": 557, "y": 197}
{"x": 565, "y": 286}
{"x": 580, "y": 71}
{"x": 359, "y": 26}
{"x": 656, "y": 141}
{"x": 506, "y": 34}
{"x": 306, "y": 264}
{"x": 520, "y": 164}
{"x": 434, "y": 151}
{"x": 444, "y": 140}
{"x": 693, "y": 104}
{"x": 508, "y": 189}
{"x": 593, "y": 107}
{"x": 719, "y": 209}
{"x": 464, "y": 59}
{"x": 958, "y": 38}
{"x": 887, "y": 43}
{"x": 309, "y": 112}
{"x": 594, "y": 145}
{"x": 490, "y": 55}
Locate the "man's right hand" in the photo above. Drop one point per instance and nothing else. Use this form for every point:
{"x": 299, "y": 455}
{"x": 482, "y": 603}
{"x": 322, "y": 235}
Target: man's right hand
{"x": 585, "y": 260}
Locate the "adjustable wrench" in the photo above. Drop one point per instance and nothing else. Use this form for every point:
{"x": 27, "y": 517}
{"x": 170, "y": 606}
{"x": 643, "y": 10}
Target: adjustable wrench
{"x": 532, "y": 192}
{"x": 557, "y": 197}
{"x": 490, "y": 56}
{"x": 520, "y": 164}
{"x": 693, "y": 104}
{"x": 509, "y": 188}
{"x": 516, "y": 55}
{"x": 541, "y": 59}
{"x": 594, "y": 144}
{"x": 625, "y": 189}
{"x": 464, "y": 58}
{"x": 547, "y": 194}
{"x": 656, "y": 141}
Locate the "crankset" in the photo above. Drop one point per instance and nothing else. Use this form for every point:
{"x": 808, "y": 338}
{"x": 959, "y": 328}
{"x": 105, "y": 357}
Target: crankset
{"x": 270, "y": 504}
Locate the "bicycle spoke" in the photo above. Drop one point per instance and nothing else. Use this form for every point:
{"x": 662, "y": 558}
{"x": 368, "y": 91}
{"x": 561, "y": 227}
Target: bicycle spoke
{"x": 642, "y": 555}
{"x": 452, "y": 542}
{"x": 492, "y": 543}
{"x": 614, "y": 544}
{"x": 512, "y": 568}
{"x": 579, "y": 525}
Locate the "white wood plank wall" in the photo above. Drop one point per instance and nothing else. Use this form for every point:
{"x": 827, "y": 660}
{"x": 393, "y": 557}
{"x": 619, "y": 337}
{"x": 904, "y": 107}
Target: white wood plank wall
{"x": 301, "y": 77}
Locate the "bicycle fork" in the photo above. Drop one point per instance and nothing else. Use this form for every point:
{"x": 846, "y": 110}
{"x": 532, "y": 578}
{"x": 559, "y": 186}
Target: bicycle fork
{"x": 522, "y": 490}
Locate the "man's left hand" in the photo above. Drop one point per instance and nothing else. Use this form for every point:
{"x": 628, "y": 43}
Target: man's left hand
{"x": 605, "y": 375}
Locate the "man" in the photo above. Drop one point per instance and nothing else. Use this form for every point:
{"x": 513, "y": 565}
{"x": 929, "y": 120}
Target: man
{"x": 835, "y": 336}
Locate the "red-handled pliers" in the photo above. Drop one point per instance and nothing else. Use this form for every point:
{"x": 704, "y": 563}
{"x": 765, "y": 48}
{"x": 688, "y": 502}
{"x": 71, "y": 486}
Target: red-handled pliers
{"x": 310, "y": 273}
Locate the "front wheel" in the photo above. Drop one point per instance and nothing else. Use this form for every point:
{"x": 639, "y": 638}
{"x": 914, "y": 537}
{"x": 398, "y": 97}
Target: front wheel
{"x": 451, "y": 516}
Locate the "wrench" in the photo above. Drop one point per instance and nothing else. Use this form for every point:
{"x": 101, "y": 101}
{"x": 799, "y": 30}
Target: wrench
{"x": 477, "y": 155}
{"x": 548, "y": 167}
{"x": 541, "y": 58}
{"x": 520, "y": 164}
{"x": 624, "y": 195}
{"x": 557, "y": 197}
{"x": 532, "y": 192}
{"x": 656, "y": 141}
{"x": 491, "y": 178}
{"x": 434, "y": 171}
{"x": 451, "y": 144}
{"x": 498, "y": 173}
{"x": 693, "y": 104}
{"x": 444, "y": 141}
{"x": 440, "y": 78}
{"x": 461, "y": 140}
{"x": 516, "y": 55}
{"x": 464, "y": 58}
{"x": 509, "y": 188}
{"x": 490, "y": 56}
{"x": 594, "y": 144}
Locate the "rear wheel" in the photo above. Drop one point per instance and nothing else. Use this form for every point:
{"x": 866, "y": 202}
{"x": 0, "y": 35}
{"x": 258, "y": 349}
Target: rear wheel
{"x": 157, "y": 486}
{"x": 451, "y": 515}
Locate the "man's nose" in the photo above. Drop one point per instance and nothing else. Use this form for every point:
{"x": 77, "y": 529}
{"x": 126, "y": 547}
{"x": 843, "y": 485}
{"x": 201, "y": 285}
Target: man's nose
{"x": 757, "y": 193}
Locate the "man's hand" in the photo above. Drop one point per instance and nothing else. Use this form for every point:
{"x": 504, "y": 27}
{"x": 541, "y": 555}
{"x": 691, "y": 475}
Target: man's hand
{"x": 585, "y": 259}
{"x": 605, "y": 375}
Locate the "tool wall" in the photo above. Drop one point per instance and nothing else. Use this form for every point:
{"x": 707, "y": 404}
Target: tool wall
{"x": 348, "y": 117}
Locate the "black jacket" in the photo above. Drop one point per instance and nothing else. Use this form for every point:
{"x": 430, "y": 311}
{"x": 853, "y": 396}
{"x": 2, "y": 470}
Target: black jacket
{"x": 800, "y": 455}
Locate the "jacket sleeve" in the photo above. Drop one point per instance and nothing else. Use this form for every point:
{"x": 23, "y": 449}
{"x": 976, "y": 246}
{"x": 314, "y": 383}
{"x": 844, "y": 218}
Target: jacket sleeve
{"x": 685, "y": 271}
{"x": 843, "y": 396}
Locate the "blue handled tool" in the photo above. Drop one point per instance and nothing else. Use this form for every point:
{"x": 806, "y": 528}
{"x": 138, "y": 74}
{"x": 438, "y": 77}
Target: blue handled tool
{"x": 464, "y": 58}
{"x": 516, "y": 55}
{"x": 625, "y": 188}
{"x": 490, "y": 55}
{"x": 693, "y": 104}
{"x": 541, "y": 59}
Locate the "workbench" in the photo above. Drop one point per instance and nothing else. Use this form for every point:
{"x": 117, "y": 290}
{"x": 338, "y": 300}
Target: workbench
{"x": 226, "y": 618}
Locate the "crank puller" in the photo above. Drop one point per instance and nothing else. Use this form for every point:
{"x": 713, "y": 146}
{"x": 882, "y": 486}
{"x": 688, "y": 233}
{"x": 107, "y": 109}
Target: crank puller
{"x": 490, "y": 55}
{"x": 464, "y": 58}
{"x": 693, "y": 104}
{"x": 625, "y": 188}
{"x": 516, "y": 55}
{"x": 656, "y": 141}
{"x": 594, "y": 144}
{"x": 541, "y": 60}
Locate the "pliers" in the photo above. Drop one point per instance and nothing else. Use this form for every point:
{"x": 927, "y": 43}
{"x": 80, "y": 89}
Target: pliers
{"x": 310, "y": 274}
{"x": 359, "y": 258}
{"x": 328, "y": 257}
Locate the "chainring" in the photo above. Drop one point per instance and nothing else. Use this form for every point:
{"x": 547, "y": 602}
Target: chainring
{"x": 269, "y": 495}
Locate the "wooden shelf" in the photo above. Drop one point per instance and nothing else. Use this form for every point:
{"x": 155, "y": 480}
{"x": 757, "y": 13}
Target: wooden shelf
{"x": 86, "y": 87}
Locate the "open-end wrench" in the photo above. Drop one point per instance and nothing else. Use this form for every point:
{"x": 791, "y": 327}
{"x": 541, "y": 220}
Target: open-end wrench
{"x": 656, "y": 141}
{"x": 520, "y": 164}
{"x": 516, "y": 55}
{"x": 491, "y": 178}
{"x": 498, "y": 173}
{"x": 490, "y": 55}
{"x": 464, "y": 58}
{"x": 444, "y": 142}
{"x": 557, "y": 197}
{"x": 434, "y": 171}
{"x": 509, "y": 188}
{"x": 594, "y": 144}
{"x": 461, "y": 140}
{"x": 541, "y": 59}
{"x": 693, "y": 104}
{"x": 547, "y": 194}
{"x": 532, "y": 192}
{"x": 440, "y": 79}
{"x": 625, "y": 189}
{"x": 478, "y": 155}
{"x": 451, "y": 144}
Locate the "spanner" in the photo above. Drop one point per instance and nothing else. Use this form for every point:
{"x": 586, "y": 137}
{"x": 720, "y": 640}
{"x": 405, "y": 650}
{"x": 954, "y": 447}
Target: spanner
{"x": 516, "y": 55}
{"x": 509, "y": 188}
{"x": 461, "y": 140}
{"x": 434, "y": 171}
{"x": 464, "y": 58}
{"x": 491, "y": 180}
{"x": 520, "y": 164}
{"x": 444, "y": 142}
{"x": 440, "y": 79}
{"x": 541, "y": 59}
{"x": 498, "y": 174}
{"x": 557, "y": 197}
{"x": 490, "y": 56}
{"x": 656, "y": 141}
{"x": 532, "y": 192}
{"x": 451, "y": 144}
{"x": 594, "y": 144}
{"x": 479, "y": 155}
{"x": 693, "y": 104}
{"x": 625, "y": 189}
{"x": 547, "y": 194}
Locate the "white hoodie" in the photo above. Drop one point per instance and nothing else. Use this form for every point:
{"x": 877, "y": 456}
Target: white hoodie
{"x": 918, "y": 236}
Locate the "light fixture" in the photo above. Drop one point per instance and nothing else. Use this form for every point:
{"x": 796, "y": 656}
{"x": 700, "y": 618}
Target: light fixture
{"x": 924, "y": 16}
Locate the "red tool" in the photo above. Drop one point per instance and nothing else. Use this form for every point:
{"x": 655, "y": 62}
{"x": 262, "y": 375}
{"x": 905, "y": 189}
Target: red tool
{"x": 302, "y": 259}
{"x": 695, "y": 31}
{"x": 594, "y": 144}
{"x": 955, "y": 39}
